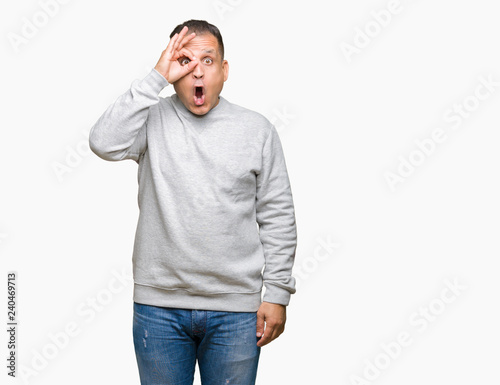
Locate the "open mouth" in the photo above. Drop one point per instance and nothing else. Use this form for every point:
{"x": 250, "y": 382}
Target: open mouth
{"x": 199, "y": 95}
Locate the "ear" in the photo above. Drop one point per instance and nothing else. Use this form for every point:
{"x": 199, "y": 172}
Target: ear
{"x": 225, "y": 68}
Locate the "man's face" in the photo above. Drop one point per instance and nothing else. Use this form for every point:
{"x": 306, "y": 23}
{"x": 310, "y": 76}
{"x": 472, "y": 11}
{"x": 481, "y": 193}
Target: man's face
{"x": 199, "y": 90}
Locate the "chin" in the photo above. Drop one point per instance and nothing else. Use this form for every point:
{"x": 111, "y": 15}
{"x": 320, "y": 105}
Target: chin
{"x": 200, "y": 110}
{"x": 203, "y": 109}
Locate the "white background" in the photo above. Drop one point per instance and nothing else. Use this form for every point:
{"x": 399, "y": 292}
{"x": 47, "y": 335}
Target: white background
{"x": 345, "y": 121}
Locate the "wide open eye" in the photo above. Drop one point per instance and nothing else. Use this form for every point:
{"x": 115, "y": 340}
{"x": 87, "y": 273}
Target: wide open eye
{"x": 184, "y": 61}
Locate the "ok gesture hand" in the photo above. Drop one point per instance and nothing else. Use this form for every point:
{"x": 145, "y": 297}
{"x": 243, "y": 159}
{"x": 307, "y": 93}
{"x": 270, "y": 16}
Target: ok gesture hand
{"x": 168, "y": 64}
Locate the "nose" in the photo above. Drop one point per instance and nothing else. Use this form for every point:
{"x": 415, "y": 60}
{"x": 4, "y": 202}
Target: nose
{"x": 198, "y": 71}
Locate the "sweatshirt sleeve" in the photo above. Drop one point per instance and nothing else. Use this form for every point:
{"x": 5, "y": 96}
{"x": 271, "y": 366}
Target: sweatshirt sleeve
{"x": 120, "y": 132}
{"x": 276, "y": 219}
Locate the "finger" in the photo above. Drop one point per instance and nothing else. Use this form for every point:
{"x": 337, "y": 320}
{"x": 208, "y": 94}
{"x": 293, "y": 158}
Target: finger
{"x": 191, "y": 65}
{"x": 267, "y": 337}
{"x": 260, "y": 325}
{"x": 188, "y": 53}
{"x": 186, "y": 39}
{"x": 170, "y": 45}
{"x": 264, "y": 340}
{"x": 272, "y": 332}
{"x": 180, "y": 37}
{"x": 171, "y": 42}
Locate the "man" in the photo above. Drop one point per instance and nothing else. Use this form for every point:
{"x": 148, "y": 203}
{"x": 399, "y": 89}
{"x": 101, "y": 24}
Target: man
{"x": 215, "y": 206}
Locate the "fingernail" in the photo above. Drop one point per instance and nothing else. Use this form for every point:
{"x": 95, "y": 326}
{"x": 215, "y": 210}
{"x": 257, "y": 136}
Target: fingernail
{"x": 259, "y": 334}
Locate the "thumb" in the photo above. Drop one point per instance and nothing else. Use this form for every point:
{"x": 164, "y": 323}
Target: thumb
{"x": 180, "y": 71}
{"x": 190, "y": 66}
{"x": 260, "y": 324}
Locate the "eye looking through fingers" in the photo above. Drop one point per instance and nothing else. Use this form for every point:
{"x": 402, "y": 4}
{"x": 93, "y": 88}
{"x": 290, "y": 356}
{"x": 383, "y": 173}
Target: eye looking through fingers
{"x": 185, "y": 60}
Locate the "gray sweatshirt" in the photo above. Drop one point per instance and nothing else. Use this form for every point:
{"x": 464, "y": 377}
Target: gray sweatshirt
{"x": 214, "y": 198}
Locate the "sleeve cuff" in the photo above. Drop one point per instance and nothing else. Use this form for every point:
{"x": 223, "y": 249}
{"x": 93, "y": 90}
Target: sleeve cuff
{"x": 275, "y": 294}
{"x": 155, "y": 81}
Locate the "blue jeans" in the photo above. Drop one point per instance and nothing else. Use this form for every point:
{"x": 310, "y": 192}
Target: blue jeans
{"x": 168, "y": 341}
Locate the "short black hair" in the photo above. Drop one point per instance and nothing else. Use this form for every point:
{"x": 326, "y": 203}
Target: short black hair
{"x": 201, "y": 27}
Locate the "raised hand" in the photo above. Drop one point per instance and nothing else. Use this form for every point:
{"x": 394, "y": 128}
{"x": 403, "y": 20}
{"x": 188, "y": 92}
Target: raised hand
{"x": 168, "y": 64}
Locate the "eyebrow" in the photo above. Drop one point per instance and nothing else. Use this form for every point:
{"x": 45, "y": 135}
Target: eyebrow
{"x": 208, "y": 51}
